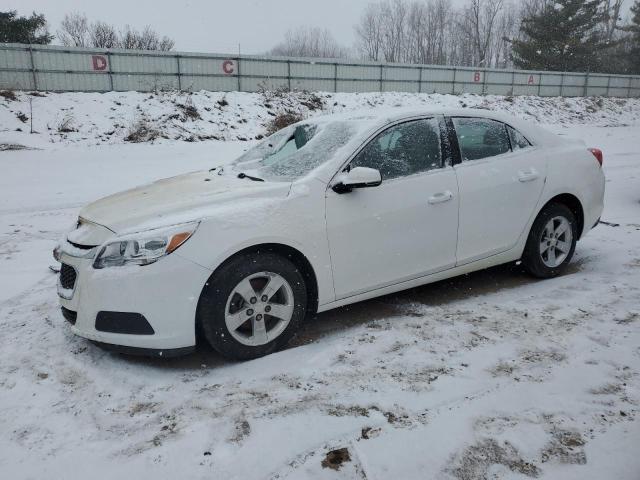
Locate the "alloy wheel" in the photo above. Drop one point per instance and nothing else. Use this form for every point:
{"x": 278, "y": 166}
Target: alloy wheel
{"x": 555, "y": 242}
{"x": 259, "y": 308}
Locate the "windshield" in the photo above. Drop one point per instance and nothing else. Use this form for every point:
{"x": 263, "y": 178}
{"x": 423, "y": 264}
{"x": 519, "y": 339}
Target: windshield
{"x": 295, "y": 150}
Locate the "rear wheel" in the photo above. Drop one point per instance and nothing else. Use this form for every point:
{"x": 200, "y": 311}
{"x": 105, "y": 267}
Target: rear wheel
{"x": 551, "y": 242}
{"x": 252, "y": 306}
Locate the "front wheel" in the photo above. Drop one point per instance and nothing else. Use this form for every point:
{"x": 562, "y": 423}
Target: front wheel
{"x": 253, "y": 305}
{"x": 552, "y": 241}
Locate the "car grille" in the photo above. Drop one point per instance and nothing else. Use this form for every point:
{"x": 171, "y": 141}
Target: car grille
{"x": 67, "y": 276}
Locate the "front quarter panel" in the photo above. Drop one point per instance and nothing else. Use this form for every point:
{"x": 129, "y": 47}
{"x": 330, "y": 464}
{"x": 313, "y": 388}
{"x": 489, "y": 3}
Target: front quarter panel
{"x": 297, "y": 221}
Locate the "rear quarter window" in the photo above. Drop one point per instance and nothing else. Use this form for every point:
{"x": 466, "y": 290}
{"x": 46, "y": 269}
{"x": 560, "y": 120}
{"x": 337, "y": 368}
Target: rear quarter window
{"x": 518, "y": 140}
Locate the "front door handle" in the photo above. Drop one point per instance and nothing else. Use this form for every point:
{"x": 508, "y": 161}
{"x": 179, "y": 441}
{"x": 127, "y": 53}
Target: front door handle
{"x": 528, "y": 176}
{"x": 440, "y": 197}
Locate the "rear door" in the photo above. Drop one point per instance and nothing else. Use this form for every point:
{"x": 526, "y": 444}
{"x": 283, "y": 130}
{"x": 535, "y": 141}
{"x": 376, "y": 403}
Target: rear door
{"x": 500, "y": 177}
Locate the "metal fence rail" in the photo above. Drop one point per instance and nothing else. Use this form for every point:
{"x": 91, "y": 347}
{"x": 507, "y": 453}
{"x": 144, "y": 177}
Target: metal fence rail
{"x": 51, "y": 68}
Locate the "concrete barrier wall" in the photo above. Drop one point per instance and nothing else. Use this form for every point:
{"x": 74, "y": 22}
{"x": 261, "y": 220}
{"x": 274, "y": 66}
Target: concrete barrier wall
{"x": 51, "y": 68}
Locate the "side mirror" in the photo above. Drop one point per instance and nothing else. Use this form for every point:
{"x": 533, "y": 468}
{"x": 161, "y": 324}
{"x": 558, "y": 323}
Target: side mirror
{"x": 358, "y": 177}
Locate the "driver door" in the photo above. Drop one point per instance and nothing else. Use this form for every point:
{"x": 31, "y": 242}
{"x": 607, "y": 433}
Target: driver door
{"x": 404, "y": 228}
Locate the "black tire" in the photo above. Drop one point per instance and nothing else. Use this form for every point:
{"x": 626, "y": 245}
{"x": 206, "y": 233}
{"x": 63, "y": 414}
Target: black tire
{"x": 532, "y": 259}
{"x": 212, "y": 305}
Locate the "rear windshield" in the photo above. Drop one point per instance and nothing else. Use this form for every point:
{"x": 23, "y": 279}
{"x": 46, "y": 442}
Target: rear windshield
{"x": 295, "y": 150}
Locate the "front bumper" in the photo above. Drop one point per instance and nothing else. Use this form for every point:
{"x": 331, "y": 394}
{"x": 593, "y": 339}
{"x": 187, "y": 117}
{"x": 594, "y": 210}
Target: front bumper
{"x": 165, "y": 293}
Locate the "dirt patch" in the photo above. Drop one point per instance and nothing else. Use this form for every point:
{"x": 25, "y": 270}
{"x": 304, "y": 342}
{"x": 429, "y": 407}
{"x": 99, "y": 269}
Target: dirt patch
{"x": 336, "y": 458}
{"x": 9, "y": 95}
{"x": 475, "y": 461}
{"x": 348, "y": 411}
{"x": 630, "y": 318}
{"x": 142, "y": 407}
{"x": 566, "y": 447}
{"x": 13, "y": 146}
{"x": 368, "y": 433}
{"x": 543, "y": 356}
{"x": 421, "y": 378}
{"x": 242, "y": 431}
{"x": 609, "y": 389}
{"x": 503, "y": 369}
{"x": 395, "y": 419}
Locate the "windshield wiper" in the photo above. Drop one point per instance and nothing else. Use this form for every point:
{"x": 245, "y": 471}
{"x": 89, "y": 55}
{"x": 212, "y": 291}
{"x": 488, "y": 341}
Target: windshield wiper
{"x": 255, "y": 179}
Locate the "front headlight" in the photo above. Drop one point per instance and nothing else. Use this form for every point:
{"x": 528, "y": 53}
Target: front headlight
{"x": 143, "y": 248}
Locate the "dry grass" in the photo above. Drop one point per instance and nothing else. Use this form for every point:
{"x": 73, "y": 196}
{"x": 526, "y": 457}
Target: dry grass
{"x": 142, "y": 131}
{"x": 9, "y": 95}
{"x": 283, "y": 120}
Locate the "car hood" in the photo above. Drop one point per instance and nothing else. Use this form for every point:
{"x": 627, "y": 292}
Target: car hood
{"x": 184, "y": 198}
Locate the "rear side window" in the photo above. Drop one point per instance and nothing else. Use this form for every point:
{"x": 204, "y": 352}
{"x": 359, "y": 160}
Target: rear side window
{"x": 481, "y": 138}
{"x": 518, "y": 141}
{"x": 403, "y": 149}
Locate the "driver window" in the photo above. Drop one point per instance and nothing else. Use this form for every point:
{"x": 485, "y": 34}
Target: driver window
{"x": 403, "y": 149}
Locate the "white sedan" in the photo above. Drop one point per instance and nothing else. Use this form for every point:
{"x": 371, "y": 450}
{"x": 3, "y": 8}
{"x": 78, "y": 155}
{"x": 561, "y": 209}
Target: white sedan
{"x": 324, "y": 213}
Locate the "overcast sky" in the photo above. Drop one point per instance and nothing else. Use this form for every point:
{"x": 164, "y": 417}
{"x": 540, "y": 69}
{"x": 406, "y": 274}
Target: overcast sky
{"x": 212, "y": 25}
{"x": 209, "y": 25}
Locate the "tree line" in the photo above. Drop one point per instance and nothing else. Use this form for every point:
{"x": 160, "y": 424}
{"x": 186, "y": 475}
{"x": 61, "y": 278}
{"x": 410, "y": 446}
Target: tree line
{"x": 556, "y": 35}
{"x": 77, "y": 31}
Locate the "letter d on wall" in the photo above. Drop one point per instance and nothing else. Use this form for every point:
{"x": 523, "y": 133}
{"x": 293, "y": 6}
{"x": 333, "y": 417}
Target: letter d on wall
{"x": 99, "y": 62}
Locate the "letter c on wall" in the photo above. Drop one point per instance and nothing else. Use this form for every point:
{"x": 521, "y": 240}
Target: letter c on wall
{"x": 228, "y": 67}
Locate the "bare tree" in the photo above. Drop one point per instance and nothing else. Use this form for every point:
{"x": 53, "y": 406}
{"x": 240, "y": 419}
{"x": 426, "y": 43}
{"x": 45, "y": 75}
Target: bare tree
{"x": 478, "y": 25}
{"x": 406, "y": 31}
{"x": 166, "y": 44}
{"x": 309, "y": 42}
{"x": 369, "y": 33}
{"x": 74, "y": 30}
{"x": 103, "y": 35}
{"x": 147, "y": 39}
{"x": 507, "y": 26}
{"x": 428, "y": 26}
{"x": 395, "y": 14}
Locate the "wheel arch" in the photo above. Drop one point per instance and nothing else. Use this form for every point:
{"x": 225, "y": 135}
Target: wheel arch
{"x": 572, "y": 203}
{"x": 295, "y": 256}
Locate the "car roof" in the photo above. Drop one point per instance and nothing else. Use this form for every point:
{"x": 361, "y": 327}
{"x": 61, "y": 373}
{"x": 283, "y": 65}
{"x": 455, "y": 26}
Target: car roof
{"x": 372, "y": 119}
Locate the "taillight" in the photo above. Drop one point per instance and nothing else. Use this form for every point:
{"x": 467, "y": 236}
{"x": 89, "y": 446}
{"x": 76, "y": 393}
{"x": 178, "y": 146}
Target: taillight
{"x": 597, "y": 153}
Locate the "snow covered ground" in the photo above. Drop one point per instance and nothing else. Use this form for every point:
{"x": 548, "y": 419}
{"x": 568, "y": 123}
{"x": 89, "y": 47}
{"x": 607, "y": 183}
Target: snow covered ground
{"x": 99, "y": 118}
{"x": 491, "y": 375}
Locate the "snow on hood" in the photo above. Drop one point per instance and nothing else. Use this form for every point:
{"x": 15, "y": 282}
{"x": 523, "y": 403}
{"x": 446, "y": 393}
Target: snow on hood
{"x": 188, "y": 197}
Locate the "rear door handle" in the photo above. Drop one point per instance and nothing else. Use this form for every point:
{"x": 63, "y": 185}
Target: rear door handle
{"x": 528, "y": 176}
{"x": 440, "y": 197}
